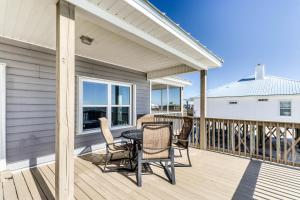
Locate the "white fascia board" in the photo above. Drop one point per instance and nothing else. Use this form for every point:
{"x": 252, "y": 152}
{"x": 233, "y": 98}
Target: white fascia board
{"x": 172, "y": 81}
{"x": 138, "y": 5}
{"x": 129, "y": 31}
{"x": 180, "y": 69}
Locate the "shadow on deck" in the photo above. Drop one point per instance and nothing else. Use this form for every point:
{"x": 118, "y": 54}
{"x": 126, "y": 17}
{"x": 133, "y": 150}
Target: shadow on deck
{"x": 213, "y": 176}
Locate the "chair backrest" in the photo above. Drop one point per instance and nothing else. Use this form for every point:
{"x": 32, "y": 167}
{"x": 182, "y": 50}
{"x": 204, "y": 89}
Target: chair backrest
{"x": 185, "y": 130}
{"x": 144, "y": 119}
{"x": 157, "y": 140}
{"x": 105, "y": 130}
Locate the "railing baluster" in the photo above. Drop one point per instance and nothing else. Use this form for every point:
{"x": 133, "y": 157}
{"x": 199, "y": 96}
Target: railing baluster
{"x": 278, "y": 150}
{"x": 239, "y": 137}
{"x": 293, "y": 145}
{"x": 245, "y": 130}
{"x": 223, "y": 136}
{"x": 264, "y": 141}
{"x": 251, "y": 140}
{"x": 208, "y": 132}
{"x": 219, "y": 127}
{"x": 285, "y": 145}
{"x": 228, "y": 135}
{"x": 233, "y": 137}
{"x": 214, "y": 134}
{"x": 271, "y": 142}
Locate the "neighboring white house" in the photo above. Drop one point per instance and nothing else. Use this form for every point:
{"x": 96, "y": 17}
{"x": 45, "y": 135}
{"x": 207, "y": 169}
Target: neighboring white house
{"x": 167, "y": 95}
{"x": 259, "y": 97}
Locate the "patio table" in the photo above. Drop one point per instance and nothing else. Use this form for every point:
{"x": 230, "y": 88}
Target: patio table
{"x": 135, "y": 135}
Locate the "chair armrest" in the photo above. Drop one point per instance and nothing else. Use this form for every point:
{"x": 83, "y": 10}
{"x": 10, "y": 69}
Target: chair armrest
{"x": 115, "y": 144}
{"x": 182, "y": 140}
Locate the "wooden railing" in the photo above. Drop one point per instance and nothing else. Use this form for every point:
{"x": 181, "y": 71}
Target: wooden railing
{"x": 177, "y": 122}
{"x": 270, "y": 141}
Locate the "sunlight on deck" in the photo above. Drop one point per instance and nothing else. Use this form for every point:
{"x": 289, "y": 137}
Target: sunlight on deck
{"x": 213, "y": 176}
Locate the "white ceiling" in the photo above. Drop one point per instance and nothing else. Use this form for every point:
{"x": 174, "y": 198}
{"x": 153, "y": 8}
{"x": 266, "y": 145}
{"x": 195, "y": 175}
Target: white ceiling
{"x": 33, "y": 21}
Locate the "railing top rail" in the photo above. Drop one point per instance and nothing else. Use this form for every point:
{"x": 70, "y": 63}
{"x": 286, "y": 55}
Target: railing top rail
{"x": 259, "y": 122}
{"x": 175, "y": 117}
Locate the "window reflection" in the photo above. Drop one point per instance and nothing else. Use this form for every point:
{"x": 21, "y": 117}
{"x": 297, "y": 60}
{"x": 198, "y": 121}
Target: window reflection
{"x": 91, "y": 117}
{"x": 119, "y": 116}
{"x": 120, "y": 95}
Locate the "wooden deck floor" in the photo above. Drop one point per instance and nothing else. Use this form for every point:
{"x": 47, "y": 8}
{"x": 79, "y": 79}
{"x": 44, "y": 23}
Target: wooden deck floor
{"x": 213, "y": 176}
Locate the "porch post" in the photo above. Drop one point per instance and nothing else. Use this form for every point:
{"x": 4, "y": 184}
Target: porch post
{"x": 65, "y": 96}
{"x": 203, "y": 77}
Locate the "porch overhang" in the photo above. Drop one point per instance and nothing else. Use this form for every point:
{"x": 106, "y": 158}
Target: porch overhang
{"x": 126, "y": 33}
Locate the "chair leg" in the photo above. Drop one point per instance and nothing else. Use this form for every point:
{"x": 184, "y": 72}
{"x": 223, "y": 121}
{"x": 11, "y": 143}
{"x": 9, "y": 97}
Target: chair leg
{"x": 180, "y": 154}
{"x": 107, "y": 158}
{"x": 139, "y": 171}
{"x": 173, "y": 168}
{"x": 188, "y": 155}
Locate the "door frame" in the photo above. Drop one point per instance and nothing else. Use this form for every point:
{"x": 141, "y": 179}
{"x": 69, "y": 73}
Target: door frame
{"x": 2, "y": 116}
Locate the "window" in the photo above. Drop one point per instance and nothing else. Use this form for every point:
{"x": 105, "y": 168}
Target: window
{"x": 174, "y": 99}
{"x": 165, "y": 99}
{"x": 95, "y": 103}
{"x": 120, "y": 102}
{"x": 233, "y": 102}
{"x": 285, "y": 108}
{"x": 159, "y": 99}
{"x": 104, "y": 99}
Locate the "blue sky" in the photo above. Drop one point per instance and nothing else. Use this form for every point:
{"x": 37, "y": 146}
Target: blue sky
{"x": 243, "y": 33}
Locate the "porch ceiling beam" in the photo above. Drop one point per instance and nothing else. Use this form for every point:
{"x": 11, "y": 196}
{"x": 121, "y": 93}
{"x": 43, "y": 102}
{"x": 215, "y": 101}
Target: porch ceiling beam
{"x": 65, "y": 95}
{"x": 179, "y": 69}
{"x": 113, "y": 23}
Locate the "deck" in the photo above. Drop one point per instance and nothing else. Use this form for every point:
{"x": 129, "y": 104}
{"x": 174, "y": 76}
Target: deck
{"x": 213, "y": 176}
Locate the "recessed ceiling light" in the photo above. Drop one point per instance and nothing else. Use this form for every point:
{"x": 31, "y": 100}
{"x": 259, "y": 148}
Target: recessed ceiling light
{"x": 86, "y": 40}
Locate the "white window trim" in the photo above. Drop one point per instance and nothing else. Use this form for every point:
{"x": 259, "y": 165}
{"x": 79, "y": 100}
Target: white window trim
{"x": 2, "y": 116}
{"x": 132, "y": 107}
{"x": 286, "y": 100}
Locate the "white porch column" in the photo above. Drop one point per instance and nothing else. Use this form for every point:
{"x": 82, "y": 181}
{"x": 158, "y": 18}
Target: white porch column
{"x": 203, "y": 77}
{"x": 65, "y": 96}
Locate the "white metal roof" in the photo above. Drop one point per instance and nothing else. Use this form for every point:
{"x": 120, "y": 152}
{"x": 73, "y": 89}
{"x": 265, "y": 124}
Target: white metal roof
{"x": 127, "y": 33}
{"x": 269, "y": 86}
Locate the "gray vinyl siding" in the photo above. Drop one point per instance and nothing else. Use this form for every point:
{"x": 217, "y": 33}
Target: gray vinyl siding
{"x": 30, "y": 117}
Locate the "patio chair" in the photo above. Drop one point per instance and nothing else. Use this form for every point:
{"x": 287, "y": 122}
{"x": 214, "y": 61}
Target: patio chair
{"x": 143, "y": 119}
{"x": 181, "y": 141}
{"x": 156, "y": 147}
{"x": 121, "y": 149}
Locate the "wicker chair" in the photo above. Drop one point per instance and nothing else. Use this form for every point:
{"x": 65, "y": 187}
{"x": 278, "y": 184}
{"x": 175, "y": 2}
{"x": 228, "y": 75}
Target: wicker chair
{"x": 181, "y": 141}
{"x": 143, "y": 119}
{"x": 156, "y": 147}
{"x": 121, "y": 149}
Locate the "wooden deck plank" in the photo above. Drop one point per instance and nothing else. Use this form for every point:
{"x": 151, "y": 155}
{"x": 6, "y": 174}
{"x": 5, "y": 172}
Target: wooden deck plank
{"x": 101, "y": 182}
{"x": 34, "y": 188}
{"x": 213, "y": 176}
{"x": 21, "y": 187}
{"x": 44, "y": 183}
{"x": 1, "y": 191}
{"x": 82, "y": 189}
{"x": 79, "y": 193}
{"x": 9, "y": 190}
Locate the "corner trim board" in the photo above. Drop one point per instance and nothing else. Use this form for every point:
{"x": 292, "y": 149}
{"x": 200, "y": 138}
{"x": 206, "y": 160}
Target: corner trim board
{"x": 2, "y": 116}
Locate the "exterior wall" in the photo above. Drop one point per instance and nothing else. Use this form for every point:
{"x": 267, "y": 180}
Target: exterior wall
{"x": 249, "y": 108}
{"x": 30, "y": 87}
